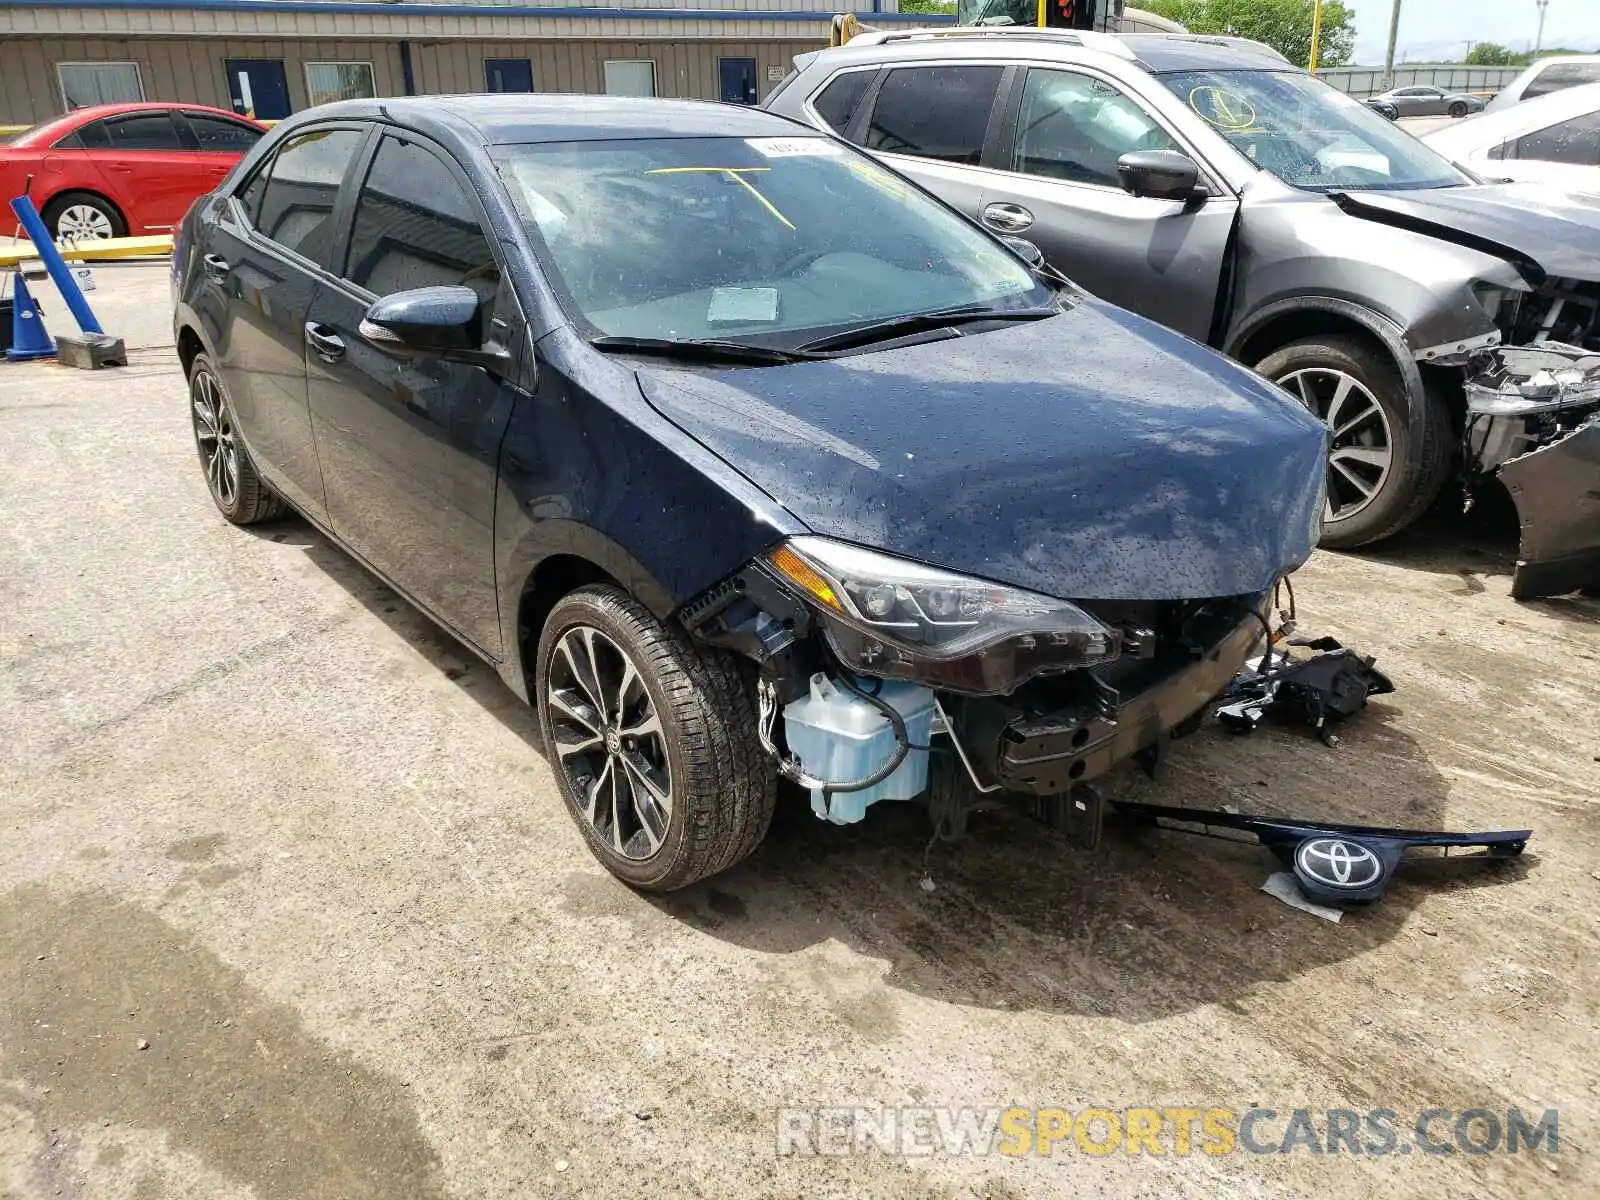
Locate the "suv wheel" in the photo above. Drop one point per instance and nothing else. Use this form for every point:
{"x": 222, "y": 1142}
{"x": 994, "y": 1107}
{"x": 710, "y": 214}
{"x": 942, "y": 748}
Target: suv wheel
{"x": 652, "y": 740}
{"x": 1372, "y": 492}
{"x": 239, "y": 493}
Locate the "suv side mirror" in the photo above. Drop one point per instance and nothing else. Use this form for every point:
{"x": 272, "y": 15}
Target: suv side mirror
{"x": 1160, "y": 175}
{"x": 1025, "y": 250}
{"x": 434, "y": 322}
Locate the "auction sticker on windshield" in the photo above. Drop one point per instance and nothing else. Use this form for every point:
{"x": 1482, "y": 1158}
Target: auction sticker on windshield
{"x": 793, "y": 147}
{"x": 1224, "y": 108}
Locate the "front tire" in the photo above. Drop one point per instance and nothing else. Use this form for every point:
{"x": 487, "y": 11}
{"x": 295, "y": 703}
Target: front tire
{"x": 1375, "y": 489}
{"x": 1458, "y": 110}
{"x": 652, "y": 740}
{"x": 231, "y": 477}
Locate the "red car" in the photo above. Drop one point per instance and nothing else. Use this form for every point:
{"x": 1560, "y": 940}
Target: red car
{"x": 114, "y": 170}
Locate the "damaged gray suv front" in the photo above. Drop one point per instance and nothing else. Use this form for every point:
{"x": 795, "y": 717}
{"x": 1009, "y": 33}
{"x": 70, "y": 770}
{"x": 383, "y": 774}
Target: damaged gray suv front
{"x": 1437, "y": 324}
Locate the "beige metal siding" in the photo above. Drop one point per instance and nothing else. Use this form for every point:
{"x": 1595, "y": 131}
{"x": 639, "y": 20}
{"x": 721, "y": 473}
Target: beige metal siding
{"x": 173, "y": 69}
{"x": 686, "y": 69}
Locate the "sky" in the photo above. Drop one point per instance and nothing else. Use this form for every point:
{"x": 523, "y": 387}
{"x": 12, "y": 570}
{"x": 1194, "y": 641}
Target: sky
{"x": 1440, "y": 29}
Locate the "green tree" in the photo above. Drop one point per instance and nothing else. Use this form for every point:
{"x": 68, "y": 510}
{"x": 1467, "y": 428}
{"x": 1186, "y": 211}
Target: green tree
{"x": 943, "y": 8}
{"x": 1490, "y": 54}
{"x": 1285, "y": 25}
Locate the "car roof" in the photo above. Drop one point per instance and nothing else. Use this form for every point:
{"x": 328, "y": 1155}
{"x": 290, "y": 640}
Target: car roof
{"x": 55, "y": 127}
{"x": 1154, "y": 52}
{"x": 507, "y": 119}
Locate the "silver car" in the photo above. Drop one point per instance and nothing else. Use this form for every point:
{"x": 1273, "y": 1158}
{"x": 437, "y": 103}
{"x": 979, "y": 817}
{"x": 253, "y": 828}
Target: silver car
{"x": 1224, "y": 193}
{"x": 1424, "y": 101}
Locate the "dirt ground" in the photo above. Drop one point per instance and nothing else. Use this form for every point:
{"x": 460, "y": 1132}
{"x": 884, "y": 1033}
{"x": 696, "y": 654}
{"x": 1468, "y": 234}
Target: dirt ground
{"x": 289, "y": 906}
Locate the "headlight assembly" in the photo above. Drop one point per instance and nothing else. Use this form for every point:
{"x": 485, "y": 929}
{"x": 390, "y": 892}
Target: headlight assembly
{"x": 897, "y": 619}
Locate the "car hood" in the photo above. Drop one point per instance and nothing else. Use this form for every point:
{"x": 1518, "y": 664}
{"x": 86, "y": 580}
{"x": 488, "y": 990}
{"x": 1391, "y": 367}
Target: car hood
{"x": 1094, "y": 455}
{"x": 1544, "y": 233}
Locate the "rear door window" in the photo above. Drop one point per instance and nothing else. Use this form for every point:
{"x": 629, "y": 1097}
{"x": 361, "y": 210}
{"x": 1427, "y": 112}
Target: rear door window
{"x": 934, "y": 112}
{"x": 296, "y": 207}
{"x": 220, "y": 135}
{"x": 1576, "y": 142}
{"x": 416, "y": 225}
{"x": 837, "y": 103}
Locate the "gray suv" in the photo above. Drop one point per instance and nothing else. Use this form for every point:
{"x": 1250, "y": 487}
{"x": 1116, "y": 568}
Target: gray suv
{"x": 1209, "y": 185}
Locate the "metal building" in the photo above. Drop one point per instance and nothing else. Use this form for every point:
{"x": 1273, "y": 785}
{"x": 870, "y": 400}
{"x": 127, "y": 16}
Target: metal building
{"x": 273, "y": 57}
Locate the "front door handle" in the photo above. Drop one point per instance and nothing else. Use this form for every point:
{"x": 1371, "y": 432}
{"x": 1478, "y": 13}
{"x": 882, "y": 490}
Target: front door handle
{"x": 1009, "y": 218}
{"x": 328, "y": 345}
{"x": 217, "y": 267}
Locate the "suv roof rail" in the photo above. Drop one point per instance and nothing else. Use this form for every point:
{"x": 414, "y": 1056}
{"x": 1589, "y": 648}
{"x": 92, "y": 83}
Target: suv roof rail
{"x": 1213, "y": 39}
{"x": 1087, "y": 39}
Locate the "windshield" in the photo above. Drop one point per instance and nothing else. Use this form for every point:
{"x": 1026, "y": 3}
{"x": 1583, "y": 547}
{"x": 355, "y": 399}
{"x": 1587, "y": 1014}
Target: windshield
{"x": 1310, "y": 135}
{"x": 764, "y": 239}
{"x": 997, "y": 12}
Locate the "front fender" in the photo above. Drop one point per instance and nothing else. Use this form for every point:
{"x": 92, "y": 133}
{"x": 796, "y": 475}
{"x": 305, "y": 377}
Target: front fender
{"x": 1390, "y": 335}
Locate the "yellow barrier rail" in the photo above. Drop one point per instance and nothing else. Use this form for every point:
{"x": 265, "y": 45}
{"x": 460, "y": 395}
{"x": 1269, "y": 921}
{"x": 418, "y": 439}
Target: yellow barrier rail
{"x": 103, "y": 249}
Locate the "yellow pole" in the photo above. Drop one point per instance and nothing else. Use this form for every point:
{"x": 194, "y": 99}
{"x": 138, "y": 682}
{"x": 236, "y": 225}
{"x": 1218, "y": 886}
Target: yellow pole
{"x": 1316, "y": 33}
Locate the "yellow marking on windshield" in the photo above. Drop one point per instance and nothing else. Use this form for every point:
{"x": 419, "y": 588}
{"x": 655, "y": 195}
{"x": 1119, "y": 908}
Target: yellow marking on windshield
{"x": 737, "y": 174}
{"x": 1227, "y": 110}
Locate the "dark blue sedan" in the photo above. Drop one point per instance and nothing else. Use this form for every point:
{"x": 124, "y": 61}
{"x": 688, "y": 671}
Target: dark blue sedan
{"x": 736, "y": 453}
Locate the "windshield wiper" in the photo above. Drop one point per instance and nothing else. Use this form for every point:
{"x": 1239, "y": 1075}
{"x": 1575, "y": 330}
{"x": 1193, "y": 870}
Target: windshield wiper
{"x": 698, "y": 349}
{"x": 882, "y": 331}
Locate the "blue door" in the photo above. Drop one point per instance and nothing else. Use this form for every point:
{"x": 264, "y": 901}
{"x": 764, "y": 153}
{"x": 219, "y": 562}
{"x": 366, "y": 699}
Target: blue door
{"x": 257, "y": 88}
{"x": 508, "y": 74}
{"x": 738, "y": 80}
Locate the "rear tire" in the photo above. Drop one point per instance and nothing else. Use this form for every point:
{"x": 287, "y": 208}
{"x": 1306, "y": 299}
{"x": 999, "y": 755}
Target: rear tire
{"x": 623, "y": 697}
{"x": 83, "y": 217}
{"x": 238, "y": 492}
{"x": 1374, "y": 490}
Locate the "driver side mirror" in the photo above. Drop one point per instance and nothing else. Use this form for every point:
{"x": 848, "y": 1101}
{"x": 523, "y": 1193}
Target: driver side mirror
{"x": 1161, "y": 175}
{"x": 446, "y": 322}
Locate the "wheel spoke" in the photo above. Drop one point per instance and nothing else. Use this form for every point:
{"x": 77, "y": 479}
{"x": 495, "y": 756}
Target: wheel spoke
{"x": 584, "y": 716}
{"x": 619, "y": 780}
{"x": 1361, "y": 485}
{"x": 582, "y": 744}
{"x": 648, "y": 725}
{"x": 1372, "y": 456}
{"x": 1366, "y": 414}
{"x": 1305, "y": 397}
{"x": 630, "y": 680}
{"x": 651, "y": 804}
{"x": 1341, "y": 393}
{"x": 602, "y": 780}
{"x": 582, "y": 673}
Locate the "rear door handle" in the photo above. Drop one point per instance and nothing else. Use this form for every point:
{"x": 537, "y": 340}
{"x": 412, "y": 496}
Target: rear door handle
{"x": 329, "y": 346}
{"x": 217, "y": 267}
{"x": 1010, "y": 218}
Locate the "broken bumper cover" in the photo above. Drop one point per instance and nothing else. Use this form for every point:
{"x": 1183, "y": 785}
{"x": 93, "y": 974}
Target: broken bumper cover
{"x": 1333, "y": 863}
{"x": 1557, "y": 492}
{"x": 1534, "y": 420}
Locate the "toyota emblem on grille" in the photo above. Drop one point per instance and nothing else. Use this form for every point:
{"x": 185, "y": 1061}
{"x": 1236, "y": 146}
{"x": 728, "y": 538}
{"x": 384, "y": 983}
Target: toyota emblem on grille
{"x": 1336, "y": 863}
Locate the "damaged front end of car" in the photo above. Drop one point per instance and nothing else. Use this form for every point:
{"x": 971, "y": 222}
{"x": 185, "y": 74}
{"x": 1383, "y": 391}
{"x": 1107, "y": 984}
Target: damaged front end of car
{"x": 1533, "y": 422}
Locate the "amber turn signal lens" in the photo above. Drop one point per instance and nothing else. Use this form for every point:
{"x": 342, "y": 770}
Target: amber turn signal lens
{"x": 800, "y": 573}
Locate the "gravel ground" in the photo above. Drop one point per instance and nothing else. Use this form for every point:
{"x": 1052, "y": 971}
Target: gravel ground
{"x": 289, "y": 906}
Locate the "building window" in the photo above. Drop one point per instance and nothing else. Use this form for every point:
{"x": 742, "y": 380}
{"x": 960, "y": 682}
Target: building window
{"x": 330, "y": 81}
{"x": 630, "y": 77}
{"x": 508, "y": 74}
{"x": 83, "y": 84}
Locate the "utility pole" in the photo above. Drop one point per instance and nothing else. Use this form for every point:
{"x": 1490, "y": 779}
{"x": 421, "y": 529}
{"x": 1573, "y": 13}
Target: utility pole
{"x": 1538, "y": 42}
{"x": 1394, "y": 36}
{"x": 1316, "y": 34}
